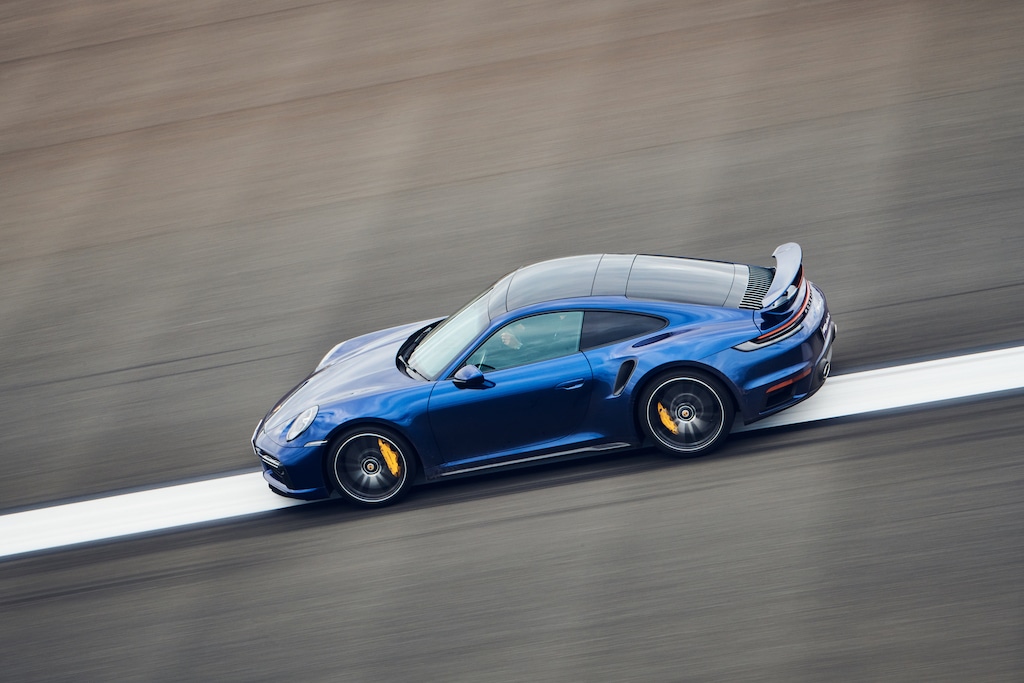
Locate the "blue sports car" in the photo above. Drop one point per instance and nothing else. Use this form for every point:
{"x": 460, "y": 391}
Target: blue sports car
{"x": 562, "y": 358}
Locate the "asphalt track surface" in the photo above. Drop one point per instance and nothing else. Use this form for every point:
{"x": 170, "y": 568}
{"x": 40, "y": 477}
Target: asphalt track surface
{"x": 198, "y": 199}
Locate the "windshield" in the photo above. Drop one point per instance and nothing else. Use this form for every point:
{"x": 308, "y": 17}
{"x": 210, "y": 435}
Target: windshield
{"x": 439, "y": 348}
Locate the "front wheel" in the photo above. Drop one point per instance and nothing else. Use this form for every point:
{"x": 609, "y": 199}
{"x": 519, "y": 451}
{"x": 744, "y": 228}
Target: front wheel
{"x": 372, "y": 467}
{"x": 686, "y": 413}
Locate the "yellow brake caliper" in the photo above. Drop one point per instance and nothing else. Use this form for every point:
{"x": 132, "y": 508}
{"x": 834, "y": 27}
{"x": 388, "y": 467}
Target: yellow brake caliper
{"x": 390, "y": 457}
{"x": 666, "y": 420}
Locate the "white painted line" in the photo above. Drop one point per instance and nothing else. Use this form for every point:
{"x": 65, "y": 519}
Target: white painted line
{"x": 136, "y": 513}
{"x": 247, "y": 494}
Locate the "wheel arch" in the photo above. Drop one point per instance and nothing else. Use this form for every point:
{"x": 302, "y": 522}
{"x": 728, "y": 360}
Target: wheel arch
{"x": 360, "y": 423}
{"x": 696, "y": 366}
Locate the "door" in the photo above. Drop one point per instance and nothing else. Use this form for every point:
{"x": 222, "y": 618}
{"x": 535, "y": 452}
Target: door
{"x": 537, "y": 391}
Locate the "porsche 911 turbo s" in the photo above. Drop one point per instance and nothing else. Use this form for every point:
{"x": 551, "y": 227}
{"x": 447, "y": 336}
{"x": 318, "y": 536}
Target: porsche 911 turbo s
{"x": 562, "y": 358}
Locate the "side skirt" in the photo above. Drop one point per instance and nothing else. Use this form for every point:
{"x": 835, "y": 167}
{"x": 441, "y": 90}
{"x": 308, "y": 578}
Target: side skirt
{"x": 599, "y": 448}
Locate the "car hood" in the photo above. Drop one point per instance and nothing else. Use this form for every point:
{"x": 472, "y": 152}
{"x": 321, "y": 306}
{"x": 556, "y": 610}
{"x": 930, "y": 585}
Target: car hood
{"x": 358, "y": 367}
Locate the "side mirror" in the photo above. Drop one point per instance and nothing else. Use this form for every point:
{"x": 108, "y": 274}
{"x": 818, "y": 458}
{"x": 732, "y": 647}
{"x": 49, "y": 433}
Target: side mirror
{"x": 469, "y": 377}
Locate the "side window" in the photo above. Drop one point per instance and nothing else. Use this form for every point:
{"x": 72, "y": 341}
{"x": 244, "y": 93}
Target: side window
{"x": 529, "y": 340}
{"x": 607, "y": 327}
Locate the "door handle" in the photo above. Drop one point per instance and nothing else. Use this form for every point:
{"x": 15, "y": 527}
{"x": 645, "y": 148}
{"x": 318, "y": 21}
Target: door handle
{"x": 571, "y": 384}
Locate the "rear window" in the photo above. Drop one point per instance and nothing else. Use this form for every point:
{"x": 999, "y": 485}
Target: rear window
{"x": 607, "y": 327}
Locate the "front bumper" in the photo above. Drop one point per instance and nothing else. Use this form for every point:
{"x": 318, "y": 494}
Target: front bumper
{"x": 280, "y": 488}
{"x": 295, "y": 472}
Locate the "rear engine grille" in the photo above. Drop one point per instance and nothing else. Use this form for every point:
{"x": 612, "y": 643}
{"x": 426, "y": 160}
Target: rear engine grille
{"x": 757, "y": 286}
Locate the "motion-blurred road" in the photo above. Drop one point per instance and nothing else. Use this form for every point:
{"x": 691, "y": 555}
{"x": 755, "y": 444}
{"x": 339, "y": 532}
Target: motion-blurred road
{"x": 197, "y": 199}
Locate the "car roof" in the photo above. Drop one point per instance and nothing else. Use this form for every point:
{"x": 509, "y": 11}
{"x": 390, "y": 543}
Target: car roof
{"x": 636, "y": 276}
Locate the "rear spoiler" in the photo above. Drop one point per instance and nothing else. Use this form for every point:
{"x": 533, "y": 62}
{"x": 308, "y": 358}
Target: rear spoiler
{"x": 788, "y": 273}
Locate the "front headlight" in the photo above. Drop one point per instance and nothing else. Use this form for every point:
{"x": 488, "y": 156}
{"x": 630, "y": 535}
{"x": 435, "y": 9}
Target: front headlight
{"x": 302, "y": 422}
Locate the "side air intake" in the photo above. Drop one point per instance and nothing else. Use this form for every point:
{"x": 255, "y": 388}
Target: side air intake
{"x": 625, "y": 372}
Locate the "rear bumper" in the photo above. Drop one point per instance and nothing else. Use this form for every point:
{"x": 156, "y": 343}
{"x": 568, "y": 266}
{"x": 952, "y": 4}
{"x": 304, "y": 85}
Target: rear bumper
{"x": 823, "y": 367}
{"x": 804, "y": 369}
{"x": 780, "y": 375}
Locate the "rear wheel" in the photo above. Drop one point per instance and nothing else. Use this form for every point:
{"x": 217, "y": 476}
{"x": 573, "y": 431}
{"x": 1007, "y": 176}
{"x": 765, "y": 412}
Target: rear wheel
{"x": 372, "y": 466}
{"x": 686, "y": 413}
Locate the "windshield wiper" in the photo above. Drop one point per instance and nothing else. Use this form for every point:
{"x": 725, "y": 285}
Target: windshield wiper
{"x": 408, "y": 368}
{"x": 409, "y": 347}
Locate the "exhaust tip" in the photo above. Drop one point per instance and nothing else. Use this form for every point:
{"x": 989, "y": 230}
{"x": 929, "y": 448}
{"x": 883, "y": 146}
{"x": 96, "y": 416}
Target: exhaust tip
{"x": 825, "y": 369}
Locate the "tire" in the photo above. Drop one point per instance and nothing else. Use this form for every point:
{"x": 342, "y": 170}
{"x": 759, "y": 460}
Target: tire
{"x": 372, "y": 466}
{"x": 686, "y": 413}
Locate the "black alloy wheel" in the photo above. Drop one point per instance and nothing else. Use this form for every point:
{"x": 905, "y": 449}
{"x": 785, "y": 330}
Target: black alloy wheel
{"x": 372, "y": 467}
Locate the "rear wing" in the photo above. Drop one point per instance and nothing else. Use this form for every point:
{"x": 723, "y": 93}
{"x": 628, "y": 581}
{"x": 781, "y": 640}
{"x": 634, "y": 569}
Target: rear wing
{"x": 788, "y": 275}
